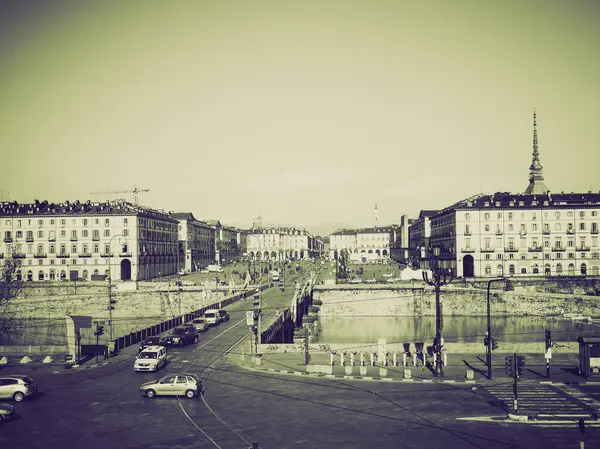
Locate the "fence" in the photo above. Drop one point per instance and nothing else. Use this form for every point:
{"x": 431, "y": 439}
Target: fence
{"x": 138, "y": 336}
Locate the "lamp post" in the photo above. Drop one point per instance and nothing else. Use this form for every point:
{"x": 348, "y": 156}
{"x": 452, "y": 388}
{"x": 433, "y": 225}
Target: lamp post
{"x": 440, "y": 276}
{"x": 257, "y": 328}
{"x": 488, "y": 334}
{"x": 110, "y": 300}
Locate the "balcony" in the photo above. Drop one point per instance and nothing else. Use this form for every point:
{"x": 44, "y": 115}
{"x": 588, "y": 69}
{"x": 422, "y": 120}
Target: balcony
{"x": 594, "y": 231}
{"x": 62, "y": 256}
{"x": 19, "y": 256}
{"x": 40, "y": 255}
{"x": 51, "y": 239}
{"x": 106, "y": 255}
{"x": 96, "y": 238}
{"x": 29, "y": 239}
{"x": 570, "y": 231}
{"x": 468, "y": 250}
{"x": 555, "y": 249}
{"x": 511, "y": 250}
{"x": 7, "y": 239}
{"x": 88, "y": 255}
{"x": 74, "y": 239}
{"x": 498, "y": 232}
{"x": 125, "y": 255}
{"x": 488, "y": 250}
{"x": 583, "y": 248}
{"x": 546, "y": 232}
{"x": 535, "y": 249}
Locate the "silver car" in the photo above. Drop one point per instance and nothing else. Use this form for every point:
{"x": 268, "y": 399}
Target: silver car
{"x": 201, "y": 324}
{"x": 7, "y": 412}
{"x": 176, "y": 384}
{"x": 17, "y": 387}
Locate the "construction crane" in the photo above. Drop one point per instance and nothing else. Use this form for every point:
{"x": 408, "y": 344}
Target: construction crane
{"x": 135, "y": 192}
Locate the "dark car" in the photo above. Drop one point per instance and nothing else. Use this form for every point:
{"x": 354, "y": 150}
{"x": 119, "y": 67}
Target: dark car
{"x": 224, "y": 315}
{"x": 155, "y": 340}
{"x": 182, "y": 335}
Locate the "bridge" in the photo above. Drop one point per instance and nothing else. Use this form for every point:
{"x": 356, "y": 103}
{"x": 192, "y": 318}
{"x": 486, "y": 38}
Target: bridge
{"x": 280, "y": 328}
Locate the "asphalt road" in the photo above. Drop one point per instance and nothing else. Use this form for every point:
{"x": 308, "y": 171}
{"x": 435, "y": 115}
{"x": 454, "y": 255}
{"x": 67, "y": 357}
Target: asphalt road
{"x": 102, "y": 408}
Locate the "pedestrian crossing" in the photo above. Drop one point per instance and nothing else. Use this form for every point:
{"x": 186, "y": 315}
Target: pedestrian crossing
{"x": 542, "y": 402}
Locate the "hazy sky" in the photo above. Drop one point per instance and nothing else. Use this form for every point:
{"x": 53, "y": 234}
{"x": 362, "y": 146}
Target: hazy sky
{"x": 312, "y": 111}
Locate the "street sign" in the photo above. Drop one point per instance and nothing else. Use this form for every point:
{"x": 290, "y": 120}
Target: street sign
{"x": 250, "y": 318}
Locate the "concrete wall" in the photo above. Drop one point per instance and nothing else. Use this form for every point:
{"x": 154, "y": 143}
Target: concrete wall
{"x": 420, "y": 301}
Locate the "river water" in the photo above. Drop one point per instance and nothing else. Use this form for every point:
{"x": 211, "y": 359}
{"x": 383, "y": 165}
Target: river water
{"x": 455, "y": 329}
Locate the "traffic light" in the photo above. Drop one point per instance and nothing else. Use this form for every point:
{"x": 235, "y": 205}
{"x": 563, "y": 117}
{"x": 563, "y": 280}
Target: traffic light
{"x": 521, "y": 365}
{"x": 486, "y": 341}
{"x": 494, "y": 344}
{"x": 548, "y": 339}
{"x": 111, "y": 306}
{"x": 99, "y": 330}
{"x": 508, "y": 365}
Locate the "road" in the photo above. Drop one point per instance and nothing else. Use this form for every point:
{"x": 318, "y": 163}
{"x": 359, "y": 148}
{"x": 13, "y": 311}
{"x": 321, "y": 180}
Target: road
{"x": 102, "y": 408}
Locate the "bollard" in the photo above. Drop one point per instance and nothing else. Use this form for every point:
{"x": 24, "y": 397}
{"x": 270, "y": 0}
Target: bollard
{"x": 445, "y": 359}
{"x": 386, "y": 361}
{"x": 331, "y": 359}
{"x": 362, "y": 359}
{"x": 395, "y": 361}
{"x": 404, "y": 357}
{"x": 372, "y": 359}
{"x": 352, "y": 359}
{"x": 415, "y": 359}
{"x": 343, "y": 358}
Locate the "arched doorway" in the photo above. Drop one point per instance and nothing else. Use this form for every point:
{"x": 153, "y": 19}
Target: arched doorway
{"x": 559, "y": 269}
{"x": 84, "y": 275}
{"x": 571, "y": 269}
{"x": 335, "y": 254}
{"x": 583, "y": 269}
{"x": 536, "y": 269}
{"x": 40, "y": 275}
{"x": 468, "y": 266}
{"x": 63, "y": 275}
{"x": 30, "y": 275}
{"x": 52, "y": 275}
{"x": 547, "y": 271}
{"x": 125, "y": 270}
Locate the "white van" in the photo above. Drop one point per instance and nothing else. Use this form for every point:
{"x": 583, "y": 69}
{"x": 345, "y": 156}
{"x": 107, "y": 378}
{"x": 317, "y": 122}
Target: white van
{"x": 212, "y": 317}
{"x": 215, "y": 269}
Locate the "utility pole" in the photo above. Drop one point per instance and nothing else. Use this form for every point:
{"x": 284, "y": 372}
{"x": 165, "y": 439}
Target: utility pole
{"x": 306, "y": 354}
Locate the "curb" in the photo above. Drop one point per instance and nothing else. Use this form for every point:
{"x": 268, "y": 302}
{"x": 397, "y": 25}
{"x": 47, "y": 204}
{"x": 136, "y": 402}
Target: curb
{"x": 410, "y": 380}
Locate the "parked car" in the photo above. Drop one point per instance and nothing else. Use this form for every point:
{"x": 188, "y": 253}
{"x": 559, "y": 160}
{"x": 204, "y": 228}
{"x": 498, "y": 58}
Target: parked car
{"x": 200, "y": 324}
{"x": 7, "y": 412}
{"x": 355, "y": 281}
{"x": 182, "y": 335}
{"x": 387, "y": 275}
{"x": 212, "y": 317}
{"x": 223, "y": 315}
{"x": 151, "y": 359}
{"x": 182, "y": 272}
{"x": 155, "y": 340}
{"x": 371, "y": 281}
{"x": 188, "y": 283}
{"x": 17, "y": 387}
{"x": 173, "y": 384}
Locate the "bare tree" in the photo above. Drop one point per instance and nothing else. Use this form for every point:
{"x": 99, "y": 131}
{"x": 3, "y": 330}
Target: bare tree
{"x": 10, "y": 287}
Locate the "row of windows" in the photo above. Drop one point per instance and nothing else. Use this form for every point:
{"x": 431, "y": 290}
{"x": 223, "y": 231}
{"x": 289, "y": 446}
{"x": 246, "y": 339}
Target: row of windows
{"x": 63, "y": 233}
{"x": 534, "y": 227}
{"x": 63, "y": 222}
{"x": 548, "y": 256}
{"x": 535, "y": 243}
{"x": 547, "y": 270}
{"x": 557, "y": 215}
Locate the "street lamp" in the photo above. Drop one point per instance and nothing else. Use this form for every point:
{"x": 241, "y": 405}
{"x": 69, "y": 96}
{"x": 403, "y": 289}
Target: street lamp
{"x": 440, "y": 276}
{"x": 488, "y": 335}
{"x": 110, "y": 300}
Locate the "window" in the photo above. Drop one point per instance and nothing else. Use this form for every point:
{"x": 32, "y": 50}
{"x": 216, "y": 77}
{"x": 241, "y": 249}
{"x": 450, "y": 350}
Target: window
{"x": 570, "y": 213}
{"x": 73, "y": 249}
{"x": 106, "y": 233}
{"x": 124, "y": 221}
{"x": 106, "y": 249}
{"x": 511, "y": 227}
{"x": 487, "y": 216}
{"x": 594, "y": 213}
{"x": 546, "y": 256}
{"x": 63, "y": 249}
{"x": 97, "y": 221}
{"x": 84, "y": 233}
{"x": 487, "y": 228}
{"x": 96, "y": 234}
{"x": 487, "y": 257}
{"x": 74, "y": 234}
{"x": 582, "y": 213}
{"x": 523, "y": 227}
{"x": 557, "y": 214}
{"x": 571, "y": 256}
{"x": 559, "y": 255}
{"x": 85, "y": 249}
{"x": 534, "y": 227}
{"x": 29, "y": 235}
{"x": 85, "y": 222}
{"x": 523, "y": 257}
{"x": 51, "y": 249}
{"x": 523, "y": 270}
{"x": 40, "y": 234}
{"x": 96, "y": 248}
{"x": 63, "y": 233}
{"x": 557, "y": 226}
{"x": 582, "y": 226}
{"x": 570, "y": 243}
{"x": 467, "y": 230}
{"x": 546, "y": 227}
{"x": 40, "y": 249}
{"x": 510, "y": 215}
{"x": 107, "y": 222}
{"x": 511, "y": 269}
{"x": 125, "y": 232}
{"x": 19, "y": 234}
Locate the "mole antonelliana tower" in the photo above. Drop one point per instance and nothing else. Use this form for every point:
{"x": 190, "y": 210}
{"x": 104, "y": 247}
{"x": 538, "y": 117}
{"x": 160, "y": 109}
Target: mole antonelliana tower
{"x": 536, "y": 176}
{"x": 375, "y": 216}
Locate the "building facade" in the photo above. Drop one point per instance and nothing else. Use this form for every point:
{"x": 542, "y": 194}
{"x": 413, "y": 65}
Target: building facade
{"x": 363, "y": 245}
{"x": 196, "y": 242}
{"x": 71, "y": 241}
{"x": 282, "y": 243}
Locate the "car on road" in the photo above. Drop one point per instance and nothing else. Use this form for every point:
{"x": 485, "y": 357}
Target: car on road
{"x": 355, "y": 281}
{"x": 182, "y": 272}
{"x": 387, "y": 275}
{"x": 186, "y": 283}
{"x": 174, "y": 384}
{"x": 151, "y": 359}
{"x": 17, "y": 387}
{"x": 7, "y": 412}
{"x": 371, "y": 281}
{"x": 200, "y": 324}
{"x": 182, "y": 335}
{"x": 155, "y": 340}
{"x": 212, "y": 317}
{"x": 223, "y": 315}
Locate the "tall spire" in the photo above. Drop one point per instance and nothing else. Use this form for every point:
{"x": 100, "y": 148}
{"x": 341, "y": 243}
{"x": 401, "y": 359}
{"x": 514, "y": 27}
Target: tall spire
{"x": 536, "y": 176}
{"x": 375, "y": 216}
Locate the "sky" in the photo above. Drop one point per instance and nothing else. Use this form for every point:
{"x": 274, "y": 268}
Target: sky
{"x": 309, "y": 112}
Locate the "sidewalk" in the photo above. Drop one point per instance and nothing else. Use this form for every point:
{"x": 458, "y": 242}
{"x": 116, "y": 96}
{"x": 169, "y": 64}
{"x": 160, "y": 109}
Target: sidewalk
{"x": 461, "y": 368}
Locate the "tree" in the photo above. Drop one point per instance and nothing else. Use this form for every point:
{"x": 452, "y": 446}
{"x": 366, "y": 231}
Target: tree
{"x": 10, "y": 287}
